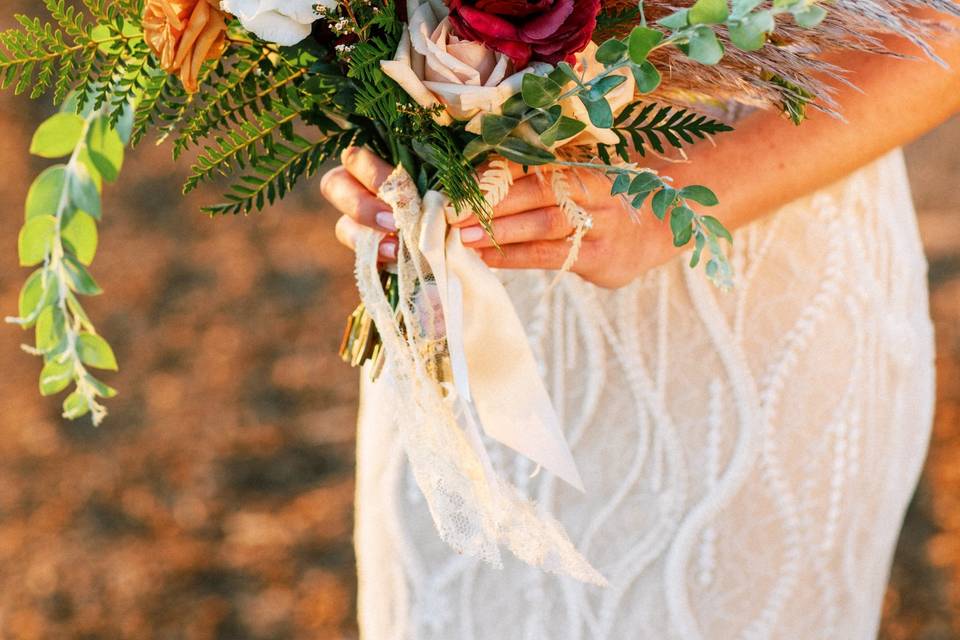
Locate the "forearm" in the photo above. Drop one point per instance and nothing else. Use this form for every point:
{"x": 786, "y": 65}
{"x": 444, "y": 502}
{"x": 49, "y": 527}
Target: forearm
{"x": 768, "y": 162}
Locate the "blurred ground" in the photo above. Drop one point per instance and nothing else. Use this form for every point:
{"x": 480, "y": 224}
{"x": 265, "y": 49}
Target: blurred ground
{"x": 216, "y": 501}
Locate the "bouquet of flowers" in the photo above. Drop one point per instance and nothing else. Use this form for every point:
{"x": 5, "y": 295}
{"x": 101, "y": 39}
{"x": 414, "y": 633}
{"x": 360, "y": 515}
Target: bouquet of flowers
{"x": 450, "y": 92}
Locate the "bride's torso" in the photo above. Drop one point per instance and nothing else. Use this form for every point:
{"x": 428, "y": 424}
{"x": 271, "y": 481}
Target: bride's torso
{"x": 747, "y": 455}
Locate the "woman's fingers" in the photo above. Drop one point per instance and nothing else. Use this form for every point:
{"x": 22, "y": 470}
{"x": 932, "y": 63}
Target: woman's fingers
{"x": 530, "y": 192}
{"x": 368, "y": 168}
{"x": 351, "y": 198}
{"x": 348, "y": 230}
{"x": 541, "y": 254}
{"x": 541, "y": 224}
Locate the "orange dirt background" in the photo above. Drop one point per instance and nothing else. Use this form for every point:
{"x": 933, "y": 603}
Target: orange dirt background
{"x": 216, "y": 501}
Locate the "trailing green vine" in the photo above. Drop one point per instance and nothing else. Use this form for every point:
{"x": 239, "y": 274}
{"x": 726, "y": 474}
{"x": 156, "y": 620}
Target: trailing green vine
{"x": 59, "y": 237}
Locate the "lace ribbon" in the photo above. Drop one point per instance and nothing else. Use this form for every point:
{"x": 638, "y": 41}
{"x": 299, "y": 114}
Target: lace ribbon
{"x": 458, "y": 361}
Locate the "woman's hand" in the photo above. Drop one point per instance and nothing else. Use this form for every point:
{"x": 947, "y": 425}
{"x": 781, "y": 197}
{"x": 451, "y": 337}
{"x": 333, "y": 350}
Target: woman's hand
{"x": 533, "y": 231}
{"x": 529, "y": 226}
{"x": 351, "y": 188}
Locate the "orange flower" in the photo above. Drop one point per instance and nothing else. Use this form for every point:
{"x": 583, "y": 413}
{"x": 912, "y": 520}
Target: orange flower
{"x": 184, "y": 34}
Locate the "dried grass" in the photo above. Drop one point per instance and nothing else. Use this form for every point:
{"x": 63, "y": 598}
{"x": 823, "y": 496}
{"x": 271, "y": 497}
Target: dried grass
{"x": 795, "y": 54}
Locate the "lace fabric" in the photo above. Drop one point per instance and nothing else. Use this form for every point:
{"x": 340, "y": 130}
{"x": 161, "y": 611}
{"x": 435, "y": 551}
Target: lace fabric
{"x": 474, "y": 509}
{"x": 747, "y": 456}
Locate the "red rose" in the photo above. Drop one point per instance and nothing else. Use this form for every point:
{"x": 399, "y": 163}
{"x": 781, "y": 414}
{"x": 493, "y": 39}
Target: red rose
{"x": 525, "y": 30}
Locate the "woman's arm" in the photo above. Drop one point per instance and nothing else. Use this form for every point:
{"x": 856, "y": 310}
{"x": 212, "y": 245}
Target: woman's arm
{"x": 768, "y": 162}
{"x": 765, "y": 163}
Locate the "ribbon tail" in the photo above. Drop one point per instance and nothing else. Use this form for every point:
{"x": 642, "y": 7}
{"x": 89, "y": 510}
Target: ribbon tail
{"x": 487, "y": 339}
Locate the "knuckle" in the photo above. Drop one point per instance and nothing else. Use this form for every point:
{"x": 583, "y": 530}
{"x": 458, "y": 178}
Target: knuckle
{"x": 349, "y": 155}
{"x": 555, "y": 222}
{"x": 541, "y": 253}
{"x": 329, "y": 180}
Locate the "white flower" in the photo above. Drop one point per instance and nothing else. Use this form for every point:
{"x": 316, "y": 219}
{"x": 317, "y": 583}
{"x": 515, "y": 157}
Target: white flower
{"x": 436, "y": 67}
{"x": 285, "y": 22}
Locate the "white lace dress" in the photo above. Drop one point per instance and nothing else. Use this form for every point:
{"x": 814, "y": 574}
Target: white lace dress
{"x": 748, "y": 456}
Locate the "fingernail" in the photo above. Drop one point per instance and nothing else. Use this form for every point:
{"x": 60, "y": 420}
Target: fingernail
{"x": 385, "y": 221}
{"x": 388, "y": 250}
{"x": 471, "y": 234}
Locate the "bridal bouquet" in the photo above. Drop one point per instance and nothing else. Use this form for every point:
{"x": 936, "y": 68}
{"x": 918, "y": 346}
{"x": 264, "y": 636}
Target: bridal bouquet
{"x": 450, "y": 92}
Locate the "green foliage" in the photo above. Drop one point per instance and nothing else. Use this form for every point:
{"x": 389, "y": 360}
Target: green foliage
{"x": 453, "y": 172}
{"x": 242, "y": 86}
{"x": 657, "y": 126}
{"x": 377, "y": 96}
{"x": 59, "y": 237}
{"x": 99, "y": 54}
{"x": 273, "y": 173}
{"x": 686, "y": 225}
{"x": 793, "y": 99}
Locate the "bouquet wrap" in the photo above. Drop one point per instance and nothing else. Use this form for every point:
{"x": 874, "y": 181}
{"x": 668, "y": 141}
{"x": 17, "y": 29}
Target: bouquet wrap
{"x": 445, "y": 344}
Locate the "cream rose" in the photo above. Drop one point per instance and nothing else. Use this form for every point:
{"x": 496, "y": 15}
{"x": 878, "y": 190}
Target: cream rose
{"x": 436, "y": 67}
{"x": 285, "y": 22}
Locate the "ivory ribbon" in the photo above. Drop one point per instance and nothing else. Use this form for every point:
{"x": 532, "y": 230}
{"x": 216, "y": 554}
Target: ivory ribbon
{"x": 493, "y": 366}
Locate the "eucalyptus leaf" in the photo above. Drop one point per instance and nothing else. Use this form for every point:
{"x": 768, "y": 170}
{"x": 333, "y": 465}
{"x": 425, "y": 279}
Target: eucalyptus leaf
{"x": 603, "y": 86}
{"x": 494, "y": 129}
{"x": 38, "y": 291}
{"x": 569, "y": 127}
{"x": 103, "y": 390}
{"x": 646, "y": 76}
{"x": 750, "y": 32}
{"x": 80, "y": 279}
{"x": 475, "y": 148}
{"x": 105, "y": 148}
{"x": 642, "y": 40}
{"x": 680, "y": 225}
{"x": 611, "y": 52}
{"x": 125, "y": 123}
{"x": 564, "y": 69}
{"x": 663, "y": 200}
{"x": 50, "y": 331}
{"x": 708, "y": 12}
{"x": 704, "y": 46}
{"x": 538, "y": 91}
{"x": 522, "y": 152}
{"x": 79, "y": 312}
{"x": 676, "y": 20}
{"x": 83, "y": 190}
{"x": 514, "y": 107}
{"x": 645, "y": 182}
{"x": 716, "y": 228}
{"x": 95, "y": 352}
{"x": 562, "y": 129}
{"x": 620, "y": 184}
{"x": 46, "y": 192}
{"x": 700, "y": 194}
{"x": 697, "y": 250}
{"x": 81, "y": 233}
{"x": 57, "y": 136}
{"x": 601, "y": 115}
{"x": 55, "y": 377}
{"x": 75, "y": 406}
{"x": 84, "y": 158}
{"x": 810, "y": 17}
{"x": 35, "y": 240}
{"x": 543, "y": 119}
{"x": 639, "y": 199}
{"x": 743, "y": 7}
